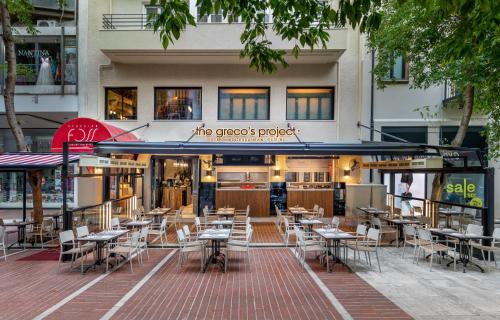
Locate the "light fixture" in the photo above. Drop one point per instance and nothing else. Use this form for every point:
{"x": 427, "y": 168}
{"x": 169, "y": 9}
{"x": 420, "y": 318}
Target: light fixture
{"x": 209, "y": 173}
{"x": 277, "y": 172}
{"x": 347, "y": 173}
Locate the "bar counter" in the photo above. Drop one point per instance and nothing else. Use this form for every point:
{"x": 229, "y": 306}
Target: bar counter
{"x": 238, "y": 198}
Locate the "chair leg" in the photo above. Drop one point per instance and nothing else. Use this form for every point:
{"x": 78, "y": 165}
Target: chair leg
{"x": 130, "y": 260}
{"x": 378, "y": 260}
{"x": 430, "y": 262}
{"x": 226, "y": 259}
{"x": 404, "y": 247}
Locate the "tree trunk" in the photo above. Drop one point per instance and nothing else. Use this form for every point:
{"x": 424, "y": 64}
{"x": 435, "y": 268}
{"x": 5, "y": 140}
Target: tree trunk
{"x": 10, "y": 83}
{"x": 438, "y": 182}
{"x": 35, "y": 178}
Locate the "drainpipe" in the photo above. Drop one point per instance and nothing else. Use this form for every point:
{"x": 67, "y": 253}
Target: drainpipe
{"x": 372, "y": 122}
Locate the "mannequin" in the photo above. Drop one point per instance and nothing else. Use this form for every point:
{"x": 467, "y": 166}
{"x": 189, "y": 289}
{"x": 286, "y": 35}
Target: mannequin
{"x": 45, "y": 74}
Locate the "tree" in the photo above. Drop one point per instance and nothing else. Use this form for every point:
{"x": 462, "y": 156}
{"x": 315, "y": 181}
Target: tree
{"x": 446, "y": 41}
{"x": 304, "y": 22}
{"x": 18, "y": 11}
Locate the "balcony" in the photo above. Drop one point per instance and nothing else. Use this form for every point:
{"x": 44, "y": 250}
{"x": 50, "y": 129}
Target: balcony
{"x": 128, "y": 38}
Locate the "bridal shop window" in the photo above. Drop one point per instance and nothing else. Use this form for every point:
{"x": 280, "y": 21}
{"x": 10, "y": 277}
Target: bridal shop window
{"x": 121, "y": 103}
{"x": 177, "y": 103}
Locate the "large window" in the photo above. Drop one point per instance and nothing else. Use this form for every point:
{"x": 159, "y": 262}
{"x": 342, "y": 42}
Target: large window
{"x": 177, "y": 103}
{"x": 244, "y": 103}
{"x": 399, "y": 71}
{"x": 121, "y": 103}
{"x": 309, "y": 103}
{"x": 473, "y": 137}
{"x": 410, "y": 134}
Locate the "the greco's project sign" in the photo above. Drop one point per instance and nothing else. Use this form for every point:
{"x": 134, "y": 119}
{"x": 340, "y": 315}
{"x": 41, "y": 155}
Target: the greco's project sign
{"x": 246, "y": 134}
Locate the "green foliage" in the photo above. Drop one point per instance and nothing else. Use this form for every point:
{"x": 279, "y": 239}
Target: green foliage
{"x": 303, "y": 22}
{"x": 456, "y": 41}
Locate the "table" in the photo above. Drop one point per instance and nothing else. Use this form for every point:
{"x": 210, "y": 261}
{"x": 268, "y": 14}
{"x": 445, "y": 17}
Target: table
{"x": 372, "y": 211}
{"x": 222, "y": 223}
{"x": 101, "y": 239}
{"x": 298, "y": 212}
{"x": 449, "y": 213}
{"x": 309, "y": 223}
{"x": 156, "y": 214}
{"x": 215, "y": 236}
{"x": 21, "y": 230}
{"x": 399, "y": 223}
{"x": 226, "y": 212}
{"x": 463, "y": 243}
{"x": 55, "y": 216}
{"x": 333, "y": 238}
{"x": 137, "y": 224}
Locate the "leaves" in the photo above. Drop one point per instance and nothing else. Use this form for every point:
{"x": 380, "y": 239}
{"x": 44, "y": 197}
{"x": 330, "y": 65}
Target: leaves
{"x": 305, "y": 22}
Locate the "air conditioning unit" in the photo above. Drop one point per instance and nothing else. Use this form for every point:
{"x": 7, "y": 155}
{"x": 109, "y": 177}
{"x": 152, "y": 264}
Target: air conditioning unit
{"x": 47, "y": 23}
{"x": 429, "y": 163}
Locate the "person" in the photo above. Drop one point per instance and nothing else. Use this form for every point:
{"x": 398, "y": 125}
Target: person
{"x": 45, "y": 73}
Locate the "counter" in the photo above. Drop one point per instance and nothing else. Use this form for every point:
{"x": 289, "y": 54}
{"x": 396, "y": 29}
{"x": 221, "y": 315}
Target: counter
{"x": 307, "y": 198}
{"x": 238, "y": 198}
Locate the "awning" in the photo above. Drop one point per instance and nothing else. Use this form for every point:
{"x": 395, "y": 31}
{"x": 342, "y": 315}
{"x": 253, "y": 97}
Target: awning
{"x": 175, "y": 147}
{"x": 20, "y": 161}
{"x": 87, "y": 130}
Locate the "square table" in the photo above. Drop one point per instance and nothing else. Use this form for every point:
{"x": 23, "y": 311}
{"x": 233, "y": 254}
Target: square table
{"x": 297, "y": 212}
{"x": 101, "y": 239}
{"x": 465, "y": 257}
{"x": 137, "y": 224}
{"x": 226, "y": 212}
{"x": 372, "y": 211}
{"x": 55, "y": 216}
{"x": 157, "y": 214}
{"x": 333, "y": 236}
{"x": 399, "y": 223}
{"x": 309, "y": 223}
{"x": 448, "y": 213}
{"x": 21, "y": 230}
{"x": 222, "y": 223}
{"x": 216, "y": 236}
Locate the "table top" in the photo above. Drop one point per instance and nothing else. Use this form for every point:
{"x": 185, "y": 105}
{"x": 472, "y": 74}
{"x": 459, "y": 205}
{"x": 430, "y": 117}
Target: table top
{"x": 222, "y": 222}
{"x": 372, "y": 210}
{"x": 159, "y": 211}
{"x": 450, "y": 212}
{"x": 458, "y": 235}
{"x": 312, "y": 221}
{"x": 215, "y": 234}
{"x": 52, "y": 214}
{"x": 297, "y": 210}
{"x": 403, "y": 221}
{"x": 137, "y": 223}
{"x": 334, "y": 234}
{"x": 225, "y": 211}
{"x": 103, "y": 236}
{"x": 18, "y": 223}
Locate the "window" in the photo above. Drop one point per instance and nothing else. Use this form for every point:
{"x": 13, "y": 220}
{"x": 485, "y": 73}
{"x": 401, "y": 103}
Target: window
{"x": 398, "y": 71}
{"x": 473, "y": 137}
{"x": 244, "y": 103}
{"x": 177, "y": 103}
{"x": 309, "y": 103}
{"x": 121, "y": 103}
{"x": 411, "y": 134}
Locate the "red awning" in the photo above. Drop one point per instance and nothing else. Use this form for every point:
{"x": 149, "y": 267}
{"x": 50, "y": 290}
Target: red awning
{"x": 30, "y": 160}
{"x": 88, "y": 130}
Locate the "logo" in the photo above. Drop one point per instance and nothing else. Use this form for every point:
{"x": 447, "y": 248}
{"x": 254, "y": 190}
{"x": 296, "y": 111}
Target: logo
{"x": 246, "y": 134}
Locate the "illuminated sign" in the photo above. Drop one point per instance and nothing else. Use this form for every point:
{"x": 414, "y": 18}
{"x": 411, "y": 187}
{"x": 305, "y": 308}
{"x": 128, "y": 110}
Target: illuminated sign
{"x": 246, "y": 134}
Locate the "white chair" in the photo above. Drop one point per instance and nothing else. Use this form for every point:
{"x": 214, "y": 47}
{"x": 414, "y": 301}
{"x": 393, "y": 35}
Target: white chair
{"x": 143, "y": 242}
{"x": 368, "y": 245}
{"x": 43, "y": 230}
{"x": 161, "y": 232}
{"x": 385, "y": 229}
{"x": 185, "y": 247}
{"x": 335, "y": 222}
{"x": 304, "y": 247}
{"x": 3, "y": 245}
{"x": 427, "y": 244}
{"x": 83, "y": 232}
{"x": 115, "y": 224}
{"x": 409, "y": 238}
{"x": 289, "y": 230}
{"x": 494, "y": 248}
{"x": 67, "y": 238}
{"x": 118, "y": 250}
{"x": 239, "y": 246}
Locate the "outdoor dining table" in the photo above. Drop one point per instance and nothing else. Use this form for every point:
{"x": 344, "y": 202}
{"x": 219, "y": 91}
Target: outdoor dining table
{"x": 449, "y": 214}
{"x": 21, "y": 230}
{"x": 55, "y": 216}
{"x": 216, "y": 236}
{"x": 137, "y": 224}
{"x": 309, "y": 223}
{"x": 465, "y": 256}
{"x": 157, "y": 214}
{"x": 222, "y": 223}
{"x": 332, "y": 238}
{"x": 372, "y": 211}
{"x": 226, "y": 212}
{"x": 399, "y": 223}
{"x": 297, "y": 212}
{"x": 101, "y": 239}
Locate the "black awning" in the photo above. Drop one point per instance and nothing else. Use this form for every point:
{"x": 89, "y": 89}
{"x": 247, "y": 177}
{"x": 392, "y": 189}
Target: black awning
{"x": 177, "y": 147}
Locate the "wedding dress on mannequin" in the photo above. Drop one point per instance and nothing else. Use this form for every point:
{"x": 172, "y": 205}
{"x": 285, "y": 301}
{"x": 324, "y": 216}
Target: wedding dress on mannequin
{"x": 45, "y": 74}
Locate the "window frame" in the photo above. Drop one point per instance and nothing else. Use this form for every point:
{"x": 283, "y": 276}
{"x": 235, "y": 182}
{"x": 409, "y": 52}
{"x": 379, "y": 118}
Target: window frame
{"x": 406, "y": 128}
{"x": 334, "y": 93}
{"x": 174, "y": 87}
{"x": 106, "y": 114}
{"x": 268, "y": 118}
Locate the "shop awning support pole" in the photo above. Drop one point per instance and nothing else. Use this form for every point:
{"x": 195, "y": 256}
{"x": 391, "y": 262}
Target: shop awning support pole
{"x": 25, "y": 178}
{"x": 295, "y": 134}
{"x": 126, "y": 132}
{"x": 194, "y": 133}
{"x": 67, "y": 223}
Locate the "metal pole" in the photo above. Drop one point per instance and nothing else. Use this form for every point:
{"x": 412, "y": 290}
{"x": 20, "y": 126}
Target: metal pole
{"x": 24, "y": 194}
{"x": 67, "y": 220}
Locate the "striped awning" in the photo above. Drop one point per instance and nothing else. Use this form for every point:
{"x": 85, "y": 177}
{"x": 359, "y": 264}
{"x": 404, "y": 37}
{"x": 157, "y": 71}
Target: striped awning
{"x": 31, "y": 160}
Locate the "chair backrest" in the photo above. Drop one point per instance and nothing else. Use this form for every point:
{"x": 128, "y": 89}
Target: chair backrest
{"x": 409, "y": 231}
{"x": 425, "y": 235}
{"x": 136, "y": 236}
{"x": 321, "y": 213}
{"x": 2, "y": 235}
{"x": 316, "y": 208}
{"x": 496, "y": 235}
{"x": 373, "y": 234}
{"x": 376, "y": 222}
{"x": 361, "y": 230}
{"x": 82, "y": 231}
{"x": 299, "y": 234}
{"x": 248, "y": 210}
{"x": 47, "y": 223}
{"x": 287, "y": 224}
{"x": 197, "y": 222}
{"x": 163, "y": 225}
{"x": 115, "y": 223}
{"x": 335, "y": 222}
{"x": 186, "y": 231}
{"x": 180, "y": 236}
{"x": 474, "y": 229}
{"x": 249, "y": 235}
{"x": 144, "y": 232}
{"x": 205, "y": 211}
{"x": 66, "y": 236}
